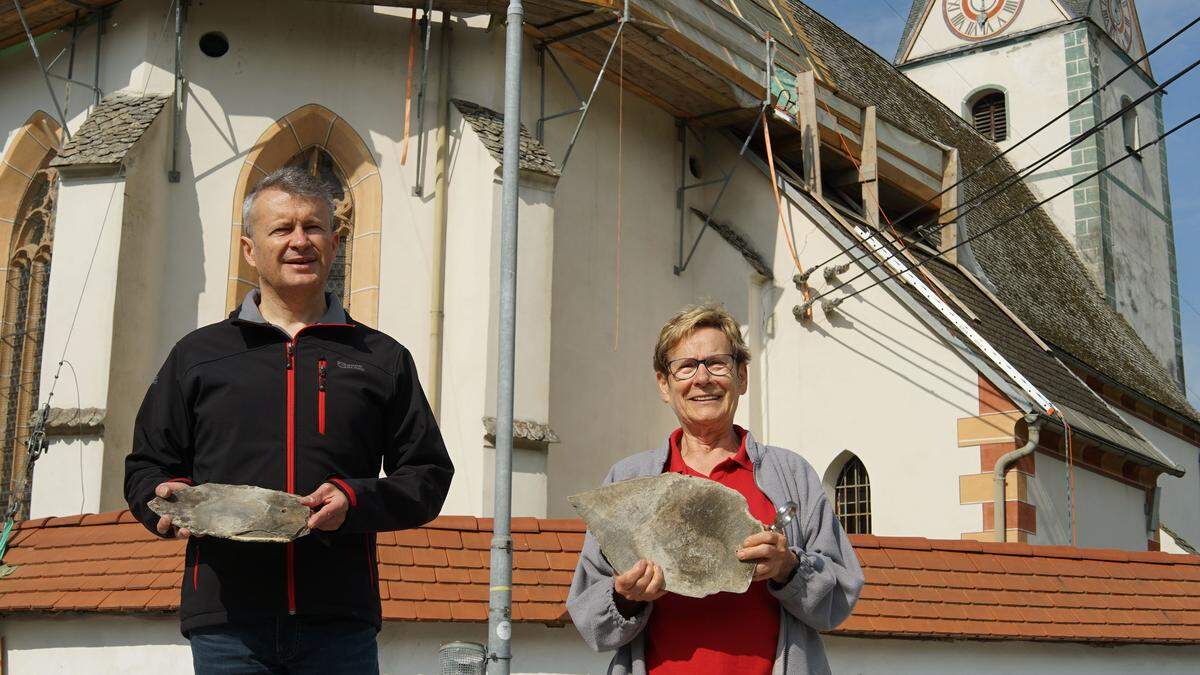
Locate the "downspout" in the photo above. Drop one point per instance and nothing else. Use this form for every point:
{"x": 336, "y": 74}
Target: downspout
{"x": 1033, "y": 423}
{"x": 437, "y": 314}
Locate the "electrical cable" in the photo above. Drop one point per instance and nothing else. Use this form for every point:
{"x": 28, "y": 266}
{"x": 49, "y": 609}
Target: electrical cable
{"x": 1046, "y": 125}
{"x": 997, "y": 226}
{"x": 1015, "y": 178}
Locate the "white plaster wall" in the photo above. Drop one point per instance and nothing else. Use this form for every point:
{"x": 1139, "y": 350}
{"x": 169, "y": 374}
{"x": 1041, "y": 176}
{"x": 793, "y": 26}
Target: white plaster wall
{"x": 82, "y": 225}
{"x": 1108, "y": 514}
{"x": 1179, "y": 506}
{"x": 935, "y": 36}
{"x": 152, "y": 645}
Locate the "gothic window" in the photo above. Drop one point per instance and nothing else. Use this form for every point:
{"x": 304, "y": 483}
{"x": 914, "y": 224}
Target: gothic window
{"x": 23, "y": 330}
{"x": 319, "y": 163}
{"x": 852, "y": 497}
{"x": 1129, "y": 125}
{"x": 989, "y": 114}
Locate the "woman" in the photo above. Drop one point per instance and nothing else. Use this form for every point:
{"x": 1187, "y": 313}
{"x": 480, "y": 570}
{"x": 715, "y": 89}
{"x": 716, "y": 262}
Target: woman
{"x": 806, "y": 579}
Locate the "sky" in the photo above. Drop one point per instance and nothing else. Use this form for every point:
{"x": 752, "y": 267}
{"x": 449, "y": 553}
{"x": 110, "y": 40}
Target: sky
{"x": 878, "y": 24}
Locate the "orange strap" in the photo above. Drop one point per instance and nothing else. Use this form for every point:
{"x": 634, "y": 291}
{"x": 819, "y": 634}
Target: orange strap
{"x": 787, "y": 235}
{"x": 412, "y": 54}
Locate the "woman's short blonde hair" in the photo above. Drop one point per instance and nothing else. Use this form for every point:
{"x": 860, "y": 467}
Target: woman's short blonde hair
{"x": 683, "y": 324}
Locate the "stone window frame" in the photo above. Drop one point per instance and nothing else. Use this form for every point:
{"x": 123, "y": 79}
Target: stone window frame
{"x": 33, "y": 146}
{"x": 307, "y": 126}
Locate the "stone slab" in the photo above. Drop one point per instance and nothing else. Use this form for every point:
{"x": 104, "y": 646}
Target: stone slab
{"x": 238, "y": 512}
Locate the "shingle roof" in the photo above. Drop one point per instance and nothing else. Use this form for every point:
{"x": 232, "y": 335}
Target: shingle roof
{"x": 915, "y": 587}
{"x": 1046, "y": 372}
{"x": 1036, "y": 271}
{"x": 111, "y": 130}
{"x": 910, "y": 24}
{"x": 489, "y": 126}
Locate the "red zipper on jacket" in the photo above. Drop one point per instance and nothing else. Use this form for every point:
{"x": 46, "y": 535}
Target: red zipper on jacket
{"x": 321, "y": 371}
{"x": 291, "y": 447}
{"x": 291, "y": 464}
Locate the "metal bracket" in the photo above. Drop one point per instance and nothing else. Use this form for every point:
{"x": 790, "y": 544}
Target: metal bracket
{"x": 181, "y": 7}
{"x": 682, "y": 262}
{"x": 37, "y": 56}
{"x": 584, "y": 104}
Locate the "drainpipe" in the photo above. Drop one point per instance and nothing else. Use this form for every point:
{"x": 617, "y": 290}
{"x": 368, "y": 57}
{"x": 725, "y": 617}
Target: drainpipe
{"x": 1033, "y": 422}
{"x": 437, "y": 294}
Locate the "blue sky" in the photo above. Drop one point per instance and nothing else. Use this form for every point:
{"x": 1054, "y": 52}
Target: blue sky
{"x": 878, "y": 24}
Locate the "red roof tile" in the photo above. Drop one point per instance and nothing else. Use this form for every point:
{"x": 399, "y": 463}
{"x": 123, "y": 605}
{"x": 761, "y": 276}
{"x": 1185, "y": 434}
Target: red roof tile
{"x": 916, "y": 587}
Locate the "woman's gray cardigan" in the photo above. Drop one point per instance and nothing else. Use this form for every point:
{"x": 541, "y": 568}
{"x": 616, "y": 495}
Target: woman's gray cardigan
{"x": 820, "y": 595}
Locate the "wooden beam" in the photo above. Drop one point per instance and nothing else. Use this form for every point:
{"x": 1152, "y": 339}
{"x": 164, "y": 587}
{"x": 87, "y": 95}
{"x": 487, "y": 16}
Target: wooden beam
{"x": 868, "y": 170}
{"x": 949, "y": 205}
{"x": 810, "y": 127}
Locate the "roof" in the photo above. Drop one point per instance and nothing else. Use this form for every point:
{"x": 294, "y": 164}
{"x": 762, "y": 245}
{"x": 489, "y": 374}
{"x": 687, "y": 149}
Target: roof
{"x": 42, "y": 16}
{"x": 489, "y": 126}
{"x": 110, "y": 130}
{"x": 1084, "y": 409}
{"x": 915, "y": 587}
{"x": 1036, "y": 272}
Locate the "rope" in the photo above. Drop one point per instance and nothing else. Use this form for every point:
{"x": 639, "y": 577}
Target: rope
{"x": 620, "y": 181}
{"x": 783, "y": 227}
{"x": 412, "y": 55}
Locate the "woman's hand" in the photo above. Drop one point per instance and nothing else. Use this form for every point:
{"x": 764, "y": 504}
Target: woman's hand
{"x": 770, "y": 550}
{"x": 641, "y": 583}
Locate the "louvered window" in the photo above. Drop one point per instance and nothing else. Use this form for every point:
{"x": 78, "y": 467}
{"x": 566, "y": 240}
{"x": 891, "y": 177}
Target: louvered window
{"x": 852, "y": 496}
{"x": 990, "y": 116}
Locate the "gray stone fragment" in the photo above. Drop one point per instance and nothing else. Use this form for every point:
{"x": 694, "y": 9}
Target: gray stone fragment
{"x": 691, "y": 527}
{"x": 238, "y": 512}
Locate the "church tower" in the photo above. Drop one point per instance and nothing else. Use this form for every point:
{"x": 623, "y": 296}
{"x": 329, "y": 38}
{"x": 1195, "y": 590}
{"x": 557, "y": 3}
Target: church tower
{"x": 1008, "y": 67}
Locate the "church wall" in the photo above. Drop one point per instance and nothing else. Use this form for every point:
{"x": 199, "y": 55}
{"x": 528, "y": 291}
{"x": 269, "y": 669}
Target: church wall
{"x": 1108, "y": 514}
{"x": 153, "y": 645}
{"x": 1180, "y": 506}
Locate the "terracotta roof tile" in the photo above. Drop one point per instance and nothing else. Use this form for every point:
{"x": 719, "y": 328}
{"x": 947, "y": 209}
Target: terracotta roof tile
{"x": 916, "y": 587}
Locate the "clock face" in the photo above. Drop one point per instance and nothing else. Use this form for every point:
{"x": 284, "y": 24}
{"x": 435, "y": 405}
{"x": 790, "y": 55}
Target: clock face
{"x": 1118, "y": 21}
{"x": 980, "y": 19}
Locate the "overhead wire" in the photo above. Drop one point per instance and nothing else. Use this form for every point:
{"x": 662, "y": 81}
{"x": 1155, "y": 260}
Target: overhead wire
{"x": 995, "y": 191}
{"x": 1028, "y": 137}
{"x": 620, "y": 183}
{"x": 996, "y": 226}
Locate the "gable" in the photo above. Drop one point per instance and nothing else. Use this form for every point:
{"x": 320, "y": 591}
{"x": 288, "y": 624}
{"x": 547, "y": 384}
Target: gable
{"x": 936, "y": 26}
{"x": 1119, "y": 19}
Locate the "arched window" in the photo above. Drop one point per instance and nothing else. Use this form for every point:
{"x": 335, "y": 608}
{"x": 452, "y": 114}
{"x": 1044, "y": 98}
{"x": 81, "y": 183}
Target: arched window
{"x": 852, "y": 497}
{"x": 23, "y": 330}
{"x": 317, "y": 162}
{"x": 1129, "y": 124}
{"x": 989, "y": 114}
{"x": 316, "y": 138}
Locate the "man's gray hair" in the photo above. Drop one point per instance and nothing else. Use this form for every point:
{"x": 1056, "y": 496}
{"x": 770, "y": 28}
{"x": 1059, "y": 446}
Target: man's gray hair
{"x": 294, "y": 181}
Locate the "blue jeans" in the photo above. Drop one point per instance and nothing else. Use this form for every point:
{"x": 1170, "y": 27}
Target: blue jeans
{"x": 286, "y": 646}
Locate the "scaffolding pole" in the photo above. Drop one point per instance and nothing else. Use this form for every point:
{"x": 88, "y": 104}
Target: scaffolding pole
{"x": 500, "y": 587}
{"x": 37, "y": 56}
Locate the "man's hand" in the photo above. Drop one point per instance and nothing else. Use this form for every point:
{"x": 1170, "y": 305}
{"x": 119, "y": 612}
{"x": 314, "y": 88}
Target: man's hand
{"x": 770, "y": 550}
{"x": 164, "y": 527}
{"x": 642, "y": 583}
{"x": 329, "y": 506}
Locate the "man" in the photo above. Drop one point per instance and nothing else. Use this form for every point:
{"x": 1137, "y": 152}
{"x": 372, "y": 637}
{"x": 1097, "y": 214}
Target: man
{"x": 289, "y": 393}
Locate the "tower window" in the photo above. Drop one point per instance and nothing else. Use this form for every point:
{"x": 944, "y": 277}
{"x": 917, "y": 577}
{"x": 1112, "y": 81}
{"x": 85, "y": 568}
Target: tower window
{"x": 1129, "y": 124}
{"x": 852, "y": 497}
{"x": 989, "y": 114}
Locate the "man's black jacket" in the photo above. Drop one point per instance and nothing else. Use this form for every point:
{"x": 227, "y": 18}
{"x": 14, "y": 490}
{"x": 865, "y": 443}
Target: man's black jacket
{"x": 240, "y": 402}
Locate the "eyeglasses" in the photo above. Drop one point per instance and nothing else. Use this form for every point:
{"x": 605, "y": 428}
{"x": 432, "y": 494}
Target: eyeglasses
{"x": 718, "y": 365}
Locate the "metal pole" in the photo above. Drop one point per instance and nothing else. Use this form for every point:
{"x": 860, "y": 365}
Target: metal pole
{"x": 500, "y": 592}
{"x": 177, "y": 102}
{"x": 37, "y": 56}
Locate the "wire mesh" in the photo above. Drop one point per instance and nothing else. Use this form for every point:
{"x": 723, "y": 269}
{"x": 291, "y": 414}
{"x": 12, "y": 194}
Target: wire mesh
{"x": 462, "y": 658}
